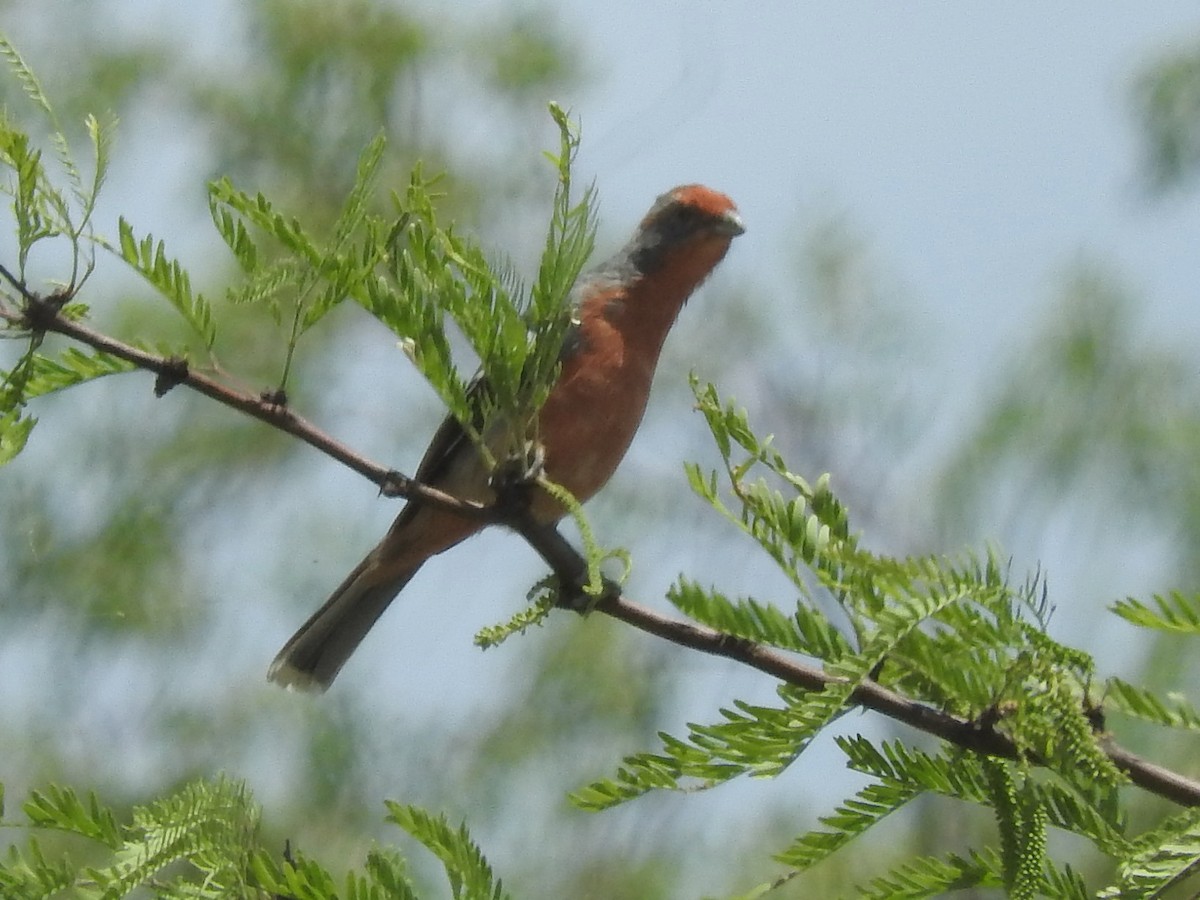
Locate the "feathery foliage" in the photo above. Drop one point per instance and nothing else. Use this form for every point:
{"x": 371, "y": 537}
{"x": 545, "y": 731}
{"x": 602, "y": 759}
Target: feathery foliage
{"x": 435, "y": 274}
{"x": 45, "y": 214}
{"x": 1173, "y": 712}
{"x": 150, "y": 260}
{"x": 41, "y": 211}
{"x": 1175, "y": 613}
{"x": 1165, "y": 857}
{"x": 956, "y": 635}
{"x": 204, "y": 841}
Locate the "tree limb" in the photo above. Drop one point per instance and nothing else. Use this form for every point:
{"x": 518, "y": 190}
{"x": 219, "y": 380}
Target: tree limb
{"x": 44, "y": 314}
{"x": 976, "y": 736}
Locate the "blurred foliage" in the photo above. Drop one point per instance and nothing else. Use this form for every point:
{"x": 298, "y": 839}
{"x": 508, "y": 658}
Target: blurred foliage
{"x": 1166, "y": 102}
{"x": 1087, "y": 398}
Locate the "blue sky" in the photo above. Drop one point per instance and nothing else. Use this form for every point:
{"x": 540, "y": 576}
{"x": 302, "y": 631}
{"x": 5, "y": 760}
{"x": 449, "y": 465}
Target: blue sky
{"x": 981, "y": 146}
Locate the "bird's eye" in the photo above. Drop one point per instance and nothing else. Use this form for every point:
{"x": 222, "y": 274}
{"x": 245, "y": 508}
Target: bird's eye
{"x": 684, "y": 219}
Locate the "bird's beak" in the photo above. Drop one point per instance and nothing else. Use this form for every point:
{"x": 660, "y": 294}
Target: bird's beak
{"x": 730, "y": 224}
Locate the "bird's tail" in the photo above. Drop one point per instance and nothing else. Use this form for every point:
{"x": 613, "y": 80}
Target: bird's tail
{"x": 316, "y": 653}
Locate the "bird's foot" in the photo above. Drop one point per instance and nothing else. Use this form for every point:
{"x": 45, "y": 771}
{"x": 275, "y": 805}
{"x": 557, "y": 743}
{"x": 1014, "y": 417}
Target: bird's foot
{"x": 514, "y": 479}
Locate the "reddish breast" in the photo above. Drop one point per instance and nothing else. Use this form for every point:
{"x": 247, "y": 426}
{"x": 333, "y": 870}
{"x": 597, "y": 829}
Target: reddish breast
{"x": 594, "y": 411}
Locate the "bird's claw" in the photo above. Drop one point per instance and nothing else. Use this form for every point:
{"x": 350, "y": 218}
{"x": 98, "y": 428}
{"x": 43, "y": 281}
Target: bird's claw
{"x": 513, "y": 478}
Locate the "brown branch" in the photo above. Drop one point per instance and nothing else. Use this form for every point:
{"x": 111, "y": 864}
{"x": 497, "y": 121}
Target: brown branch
{"x": 43, "y": 314}
{"x": 971, "y": 735}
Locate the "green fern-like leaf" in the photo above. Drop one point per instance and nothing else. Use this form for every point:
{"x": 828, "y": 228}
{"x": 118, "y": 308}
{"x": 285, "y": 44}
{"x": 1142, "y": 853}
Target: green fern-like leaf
{"x": 267, "y": 285}
{"x": 298, "y": 876}
{"x": 570, "y": 239}
{"x": 260, "y": 212}
{"x": 466, "y": 868}
{"x": 1063, "y": 884}
{"x": 35, "y": 375}
{"x": 345, "y": 265}
{"x": 1175, "y": 612}
{"x": 299, "y": 279}
{"x": 644, "y": 772}
{"x": 150, "y": 260}
{"x": 29, "y": 875}
{"x": 961, "y": 777}
{"x": 28, "y": 208}
{"x": 41, "y": 210}
{"x": 932, "y": 877}
{"x": 355, "y": 209}
{"x": 806, "y": 631}
{"x": 927, "y": 876}
{"x": 1167, "y": 857}
{"x": 61, "y": 809}
{"x": 100, "y": 133}
{"x": 204, "y": 822}
{"x": 33, "y": 90}
{"x": 1142, "y": 704}
{"x": 24, "y": 75}
{"x": 436, "y": 275}
{"x": 72, "y": 367}
{"x": 761, "y": 740}
{"x": 853, "y": 818}
{"x": 234, "y": 233}
{"x": 892, "y": 624}
{"x": 752, "y": 740}
{"x": 389, "y": 872}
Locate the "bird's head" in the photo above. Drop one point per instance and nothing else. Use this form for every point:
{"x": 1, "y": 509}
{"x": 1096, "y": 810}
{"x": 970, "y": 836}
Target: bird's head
{"x": 691, "y": 222}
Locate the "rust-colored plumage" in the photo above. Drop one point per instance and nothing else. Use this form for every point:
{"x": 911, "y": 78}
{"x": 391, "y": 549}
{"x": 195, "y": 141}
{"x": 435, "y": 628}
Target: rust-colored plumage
{"x": 625, "y": 307}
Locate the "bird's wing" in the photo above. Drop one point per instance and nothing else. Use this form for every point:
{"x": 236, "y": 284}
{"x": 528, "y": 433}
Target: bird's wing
{"x": 451, "y": 438}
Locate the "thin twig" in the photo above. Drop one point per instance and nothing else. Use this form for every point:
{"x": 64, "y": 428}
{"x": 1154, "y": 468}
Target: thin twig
{"x": 17, "y": 283}
{"x": 173, "y": 371}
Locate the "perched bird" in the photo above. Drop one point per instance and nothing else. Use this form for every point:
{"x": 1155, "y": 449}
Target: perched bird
{"x": 623, "y": 311}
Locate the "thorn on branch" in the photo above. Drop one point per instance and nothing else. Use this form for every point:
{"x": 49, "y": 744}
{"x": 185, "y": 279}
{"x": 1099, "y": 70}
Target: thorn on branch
{"x": 276, "y": 397}
{"x": 173, "y": 371}
{"x": 394, "y": 484}
{"x": 40, "y": 312}
{"x": 988, "y": 720}
{"x": 728, "y": 644}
